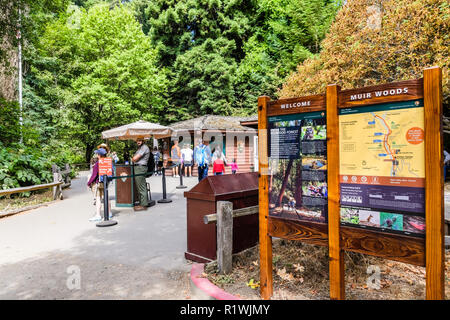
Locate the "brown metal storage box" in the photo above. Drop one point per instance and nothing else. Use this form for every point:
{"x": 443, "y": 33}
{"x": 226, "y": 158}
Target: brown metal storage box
{"x": 242, "y": 190}
{"x": 125, "y": 194}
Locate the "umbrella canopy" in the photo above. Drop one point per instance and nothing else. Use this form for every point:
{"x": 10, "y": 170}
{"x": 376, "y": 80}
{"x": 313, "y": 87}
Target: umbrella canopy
{"x": 138, "y": 129}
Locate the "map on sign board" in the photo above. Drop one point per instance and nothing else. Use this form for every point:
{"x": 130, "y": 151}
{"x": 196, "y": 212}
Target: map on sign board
{"x": 385, "y": 143}
{"x": 382, "y": 166}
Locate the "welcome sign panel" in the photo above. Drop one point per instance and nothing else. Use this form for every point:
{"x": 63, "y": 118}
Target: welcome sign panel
{"x": 298, "y": 166}
{"x": 382, "y": 167}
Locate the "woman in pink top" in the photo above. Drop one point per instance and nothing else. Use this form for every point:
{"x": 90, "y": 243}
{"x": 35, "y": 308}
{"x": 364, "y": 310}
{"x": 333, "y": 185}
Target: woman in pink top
{"x": 234, "y": 167}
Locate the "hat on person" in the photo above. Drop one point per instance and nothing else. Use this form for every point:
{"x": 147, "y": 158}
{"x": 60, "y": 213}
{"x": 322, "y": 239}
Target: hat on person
{"x": 100, "y": 151}
{"x": 104, "y": 146}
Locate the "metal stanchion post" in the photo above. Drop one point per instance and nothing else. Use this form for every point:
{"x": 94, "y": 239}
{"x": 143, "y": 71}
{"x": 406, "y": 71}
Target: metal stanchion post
{"x": 181, "y": 186}
{"x": 151, "y": 202}
{"x": 106, "y": 222}
{"x": 164, "y": 199}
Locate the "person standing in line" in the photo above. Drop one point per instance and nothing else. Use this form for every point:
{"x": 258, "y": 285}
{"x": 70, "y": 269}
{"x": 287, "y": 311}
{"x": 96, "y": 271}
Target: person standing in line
{"x": 218, "y": 167}
{"x": 97, "y": 188}
{"x": 186, "y": 155}
{"x": 94, "y": 160}
{"x": 175, "y": 154}
{"x": 140, "y": 159}
{"x": 234, "y": 166}
{"x": 156, "y": 157}
{"x": 202, "y": 157}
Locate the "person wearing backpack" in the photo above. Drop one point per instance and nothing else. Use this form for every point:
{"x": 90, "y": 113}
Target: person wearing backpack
{"x": 156, "y": 157}
{"x": 202, "y": 157}
{"x": 96, "y": 184}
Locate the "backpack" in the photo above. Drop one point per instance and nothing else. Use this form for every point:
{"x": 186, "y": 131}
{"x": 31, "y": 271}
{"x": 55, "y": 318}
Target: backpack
{"x": 151, "y": 165}
{"x": 200, "y": 155}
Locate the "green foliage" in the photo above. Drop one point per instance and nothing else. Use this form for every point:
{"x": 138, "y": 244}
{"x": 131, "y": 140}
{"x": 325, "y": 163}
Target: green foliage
{"x": 23, "y": 166}
{"x": 222, "y": 55}
{"x": 9, "y": 121}
{"x": 373, "y": 42}
{"x": 34, "y": 15}
{"x": 98, "y": 64}
{"x": 102, "y": 69}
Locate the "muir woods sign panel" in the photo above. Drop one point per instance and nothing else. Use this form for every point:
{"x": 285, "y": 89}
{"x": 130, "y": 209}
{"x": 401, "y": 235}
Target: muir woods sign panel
{"x": 357, "y": 170}
{"x": 382, "y": 167}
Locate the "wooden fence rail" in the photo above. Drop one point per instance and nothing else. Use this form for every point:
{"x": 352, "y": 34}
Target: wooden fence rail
{"x": 61, "y": 179}
{"x": 54, "y": 184}
{"x": 212, "y": 218}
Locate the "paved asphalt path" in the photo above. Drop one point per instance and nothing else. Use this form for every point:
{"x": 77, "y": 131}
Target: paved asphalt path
{"x": 54, "y": 252}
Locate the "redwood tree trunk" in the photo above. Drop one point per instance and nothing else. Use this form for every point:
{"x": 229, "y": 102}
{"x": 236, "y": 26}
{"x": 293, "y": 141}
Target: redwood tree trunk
{"x": 285, "y": 181}
{"x": 298, "y": 185}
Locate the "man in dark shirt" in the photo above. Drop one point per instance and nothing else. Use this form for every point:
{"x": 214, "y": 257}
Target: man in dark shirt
{"x": 140, "y": 160}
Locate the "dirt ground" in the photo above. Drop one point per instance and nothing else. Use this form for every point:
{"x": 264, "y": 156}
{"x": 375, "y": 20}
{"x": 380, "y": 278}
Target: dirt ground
{"x": 16, "y": 201}
{"x": 300, "y": 271}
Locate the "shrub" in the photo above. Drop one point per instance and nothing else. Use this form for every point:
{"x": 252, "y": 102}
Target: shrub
{"x": 22, "y": 166}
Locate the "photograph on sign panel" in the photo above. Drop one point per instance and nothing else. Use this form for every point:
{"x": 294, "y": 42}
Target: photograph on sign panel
{"x": 369, "y": 218}
{"x": 350, "y": 215}
{"x": 286, "y": 199}
{"x": 314, "y": 189}
{"x": 392, "y": 221}
{"x": 414, "y": 224}
{"x": 314, "y": 132}
{"x": 314, "y": 163}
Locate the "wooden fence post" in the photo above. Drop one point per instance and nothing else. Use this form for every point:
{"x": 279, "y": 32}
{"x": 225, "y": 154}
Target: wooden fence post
{"x": 57, "y": 193}
{"x": 265, "y": 241}
{"x": 225, "y": 236}
{"x": 336, "y": 256}
{"x": 434, "y": 180}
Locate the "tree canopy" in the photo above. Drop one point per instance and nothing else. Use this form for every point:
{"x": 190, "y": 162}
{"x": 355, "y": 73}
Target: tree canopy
{"x": 90, "y": 65}
{"x": 373, "y": 42}
{"x": 222, "y": 54}
{"x": 100, "y": 69}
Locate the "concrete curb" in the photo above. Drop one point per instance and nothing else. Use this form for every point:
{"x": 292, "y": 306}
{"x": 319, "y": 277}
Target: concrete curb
{"x": 207, "y": 288}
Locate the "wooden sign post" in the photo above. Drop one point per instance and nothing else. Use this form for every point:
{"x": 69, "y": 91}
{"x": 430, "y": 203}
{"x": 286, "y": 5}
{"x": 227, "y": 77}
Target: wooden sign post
{"x": 336, "y": 256}
{"x": 371, "y": 182}
{"x": 265, "y": 241}
{"x": 434, "y": 182}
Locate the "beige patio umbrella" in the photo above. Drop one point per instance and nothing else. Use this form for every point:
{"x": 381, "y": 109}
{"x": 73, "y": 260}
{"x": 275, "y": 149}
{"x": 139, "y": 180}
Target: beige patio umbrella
{"x": 138, "y": 129}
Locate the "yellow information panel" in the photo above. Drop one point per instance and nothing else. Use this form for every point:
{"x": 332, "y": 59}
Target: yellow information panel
{"x": 384, "y": 143}
{"x": 382, "y": 167}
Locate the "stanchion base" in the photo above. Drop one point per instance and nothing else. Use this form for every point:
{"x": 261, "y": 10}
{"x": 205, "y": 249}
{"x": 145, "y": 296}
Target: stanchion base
{"x": 107, "y": 223}
{"x": 181, "y": 187}
{"x": 151, "y": 203}
{"x": 164, "y": 201}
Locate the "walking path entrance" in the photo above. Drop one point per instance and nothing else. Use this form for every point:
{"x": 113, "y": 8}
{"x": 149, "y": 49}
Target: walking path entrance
{"x": 54, "y": 252}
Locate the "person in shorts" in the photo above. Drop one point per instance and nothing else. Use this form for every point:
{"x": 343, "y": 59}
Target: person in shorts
{"x": 187, "y": 155}
{"x": 175, "y": 155}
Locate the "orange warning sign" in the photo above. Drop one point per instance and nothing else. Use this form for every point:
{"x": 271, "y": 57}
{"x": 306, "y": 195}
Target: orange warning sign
{"x": 105, "y": 166}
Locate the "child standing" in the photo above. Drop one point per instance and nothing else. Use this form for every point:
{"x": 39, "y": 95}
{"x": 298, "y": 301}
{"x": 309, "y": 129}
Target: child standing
{"x": 218, "y": 167}
{"x": 234, "y": 167}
